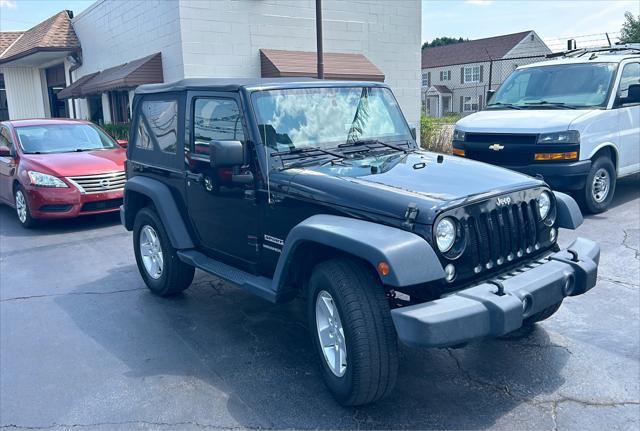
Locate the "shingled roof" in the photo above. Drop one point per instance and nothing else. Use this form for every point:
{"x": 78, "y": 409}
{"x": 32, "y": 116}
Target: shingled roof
{"x": 472, "y": 51}
{"x": 7, "y": 38}
{"x": 53, "y": 34}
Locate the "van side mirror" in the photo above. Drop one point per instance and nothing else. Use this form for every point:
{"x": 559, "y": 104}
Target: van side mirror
{"x": 226, "y": 153}
{"x": 490, "y": 94}
{"x": 633, "y": 95}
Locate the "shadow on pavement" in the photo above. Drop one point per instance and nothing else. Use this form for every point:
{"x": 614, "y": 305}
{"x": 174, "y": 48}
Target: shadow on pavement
{"x": 261, "y": 357}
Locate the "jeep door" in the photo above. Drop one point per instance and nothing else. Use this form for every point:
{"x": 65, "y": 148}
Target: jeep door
{"x": 628, "y": 119}
{"x": 223, "y": 213}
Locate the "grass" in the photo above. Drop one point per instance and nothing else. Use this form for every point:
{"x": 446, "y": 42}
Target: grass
{"x": 436, "y": 133}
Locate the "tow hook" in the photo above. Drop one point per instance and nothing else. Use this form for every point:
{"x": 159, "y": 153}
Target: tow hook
{"x": 585, "y": 272}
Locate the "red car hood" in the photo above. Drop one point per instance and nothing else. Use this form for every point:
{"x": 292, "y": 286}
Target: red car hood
{"x": 81, "y": 163}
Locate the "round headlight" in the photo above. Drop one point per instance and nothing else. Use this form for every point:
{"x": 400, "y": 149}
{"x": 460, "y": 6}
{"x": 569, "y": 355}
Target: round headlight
{"x": 544, "y": 204}
{"x": 445, "y": 234}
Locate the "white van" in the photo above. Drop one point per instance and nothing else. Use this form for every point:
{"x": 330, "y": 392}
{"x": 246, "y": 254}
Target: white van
{"x": 574, "y": 120}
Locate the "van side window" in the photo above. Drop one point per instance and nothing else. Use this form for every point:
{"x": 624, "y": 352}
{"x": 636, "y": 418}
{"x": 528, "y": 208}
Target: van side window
{"x": 162, "y": 120}
{"x": 630, "y": 75}
{"x": 215, "y": 119}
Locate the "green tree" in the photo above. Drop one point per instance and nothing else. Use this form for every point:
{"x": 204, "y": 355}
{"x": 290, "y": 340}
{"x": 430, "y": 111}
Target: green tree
{"x": 630, "y": 32}
{"x": 442, "y": 41}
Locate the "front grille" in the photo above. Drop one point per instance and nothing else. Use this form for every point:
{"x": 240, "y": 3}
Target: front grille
{"x": 55, "y": 208}
{"x": 517, "y": 149}
{"x": 502, "y": 235}
{"x": 99, "y": 183}
{"x": 102, "y": 205}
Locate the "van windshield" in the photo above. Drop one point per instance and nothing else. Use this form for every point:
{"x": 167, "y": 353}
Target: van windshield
{"x": 295, "y": 119}
{"x": 567, "y": 86}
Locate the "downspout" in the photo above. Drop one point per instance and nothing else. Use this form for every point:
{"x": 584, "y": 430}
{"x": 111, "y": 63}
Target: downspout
{"x": 77, "y": 58}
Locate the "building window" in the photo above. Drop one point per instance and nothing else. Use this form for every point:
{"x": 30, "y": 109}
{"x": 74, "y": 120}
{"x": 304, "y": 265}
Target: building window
{"x": 472, "y": 74}
{"x": 425, "y": 79}
{"x": 119, "y": 105}
{"x": 4, "y": 106}
{"x": 445, "y": 75}
{"x": 470, "y": 104}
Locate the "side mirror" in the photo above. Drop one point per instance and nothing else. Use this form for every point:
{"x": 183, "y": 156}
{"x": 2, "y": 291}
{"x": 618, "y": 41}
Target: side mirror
{"x": 490, "y": 94}
{"x": 226, "y": 153}
{"x": 633, "y": 95}
{"x": 122, "y": 142}
{"x": 5, "y": 152}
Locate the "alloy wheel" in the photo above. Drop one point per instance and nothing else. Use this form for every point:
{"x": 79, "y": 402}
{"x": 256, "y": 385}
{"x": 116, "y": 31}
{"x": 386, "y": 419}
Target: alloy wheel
{"x": 21, "y": 206}
{"x": 151, "y": 252}
{"x": 331, "y": 333}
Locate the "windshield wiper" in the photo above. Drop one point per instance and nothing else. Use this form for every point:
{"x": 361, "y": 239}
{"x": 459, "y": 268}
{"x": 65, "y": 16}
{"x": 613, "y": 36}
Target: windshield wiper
{"x": 504, "y": 105}
{"x": 559, "y": 105}
{"x": 368, "y": 143}
{"x": 291, "y": 158}
{"x": 304, "y": 151}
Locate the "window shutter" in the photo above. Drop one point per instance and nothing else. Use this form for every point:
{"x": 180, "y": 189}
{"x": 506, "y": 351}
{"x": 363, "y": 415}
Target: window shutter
{"x": 428, "y": 79}
{"x": 448, "y": 75}
{"x": 461, "y": 103}
{"x": 479, "y": 103}
{"x": 462, "y": 77}
{"x": 481, "y": 72}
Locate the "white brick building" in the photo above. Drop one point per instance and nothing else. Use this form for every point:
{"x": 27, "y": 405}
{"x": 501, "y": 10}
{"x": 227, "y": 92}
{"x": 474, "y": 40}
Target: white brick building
{"x": 223, "y": 38}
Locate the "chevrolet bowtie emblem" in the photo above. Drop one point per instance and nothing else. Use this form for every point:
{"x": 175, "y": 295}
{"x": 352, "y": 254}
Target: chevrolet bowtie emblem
{"x": 496, "y": 147}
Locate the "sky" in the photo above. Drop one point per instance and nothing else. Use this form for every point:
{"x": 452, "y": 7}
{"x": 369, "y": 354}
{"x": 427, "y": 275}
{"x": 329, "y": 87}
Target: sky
{"x": 554, "y": 20}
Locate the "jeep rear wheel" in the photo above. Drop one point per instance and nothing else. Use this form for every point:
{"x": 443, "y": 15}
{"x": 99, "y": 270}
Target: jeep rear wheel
{"x": 350, "y": 322}
{"x": 161, "y": 269}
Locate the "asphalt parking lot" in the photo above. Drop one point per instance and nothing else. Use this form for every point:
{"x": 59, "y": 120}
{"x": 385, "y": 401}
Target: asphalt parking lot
{"x": 84, "y": 345}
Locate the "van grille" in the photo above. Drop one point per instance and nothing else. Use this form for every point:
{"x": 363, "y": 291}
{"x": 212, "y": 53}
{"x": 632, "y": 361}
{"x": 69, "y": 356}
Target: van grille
{"x": 99, "y": 183}
{"x": 502, "y": 235}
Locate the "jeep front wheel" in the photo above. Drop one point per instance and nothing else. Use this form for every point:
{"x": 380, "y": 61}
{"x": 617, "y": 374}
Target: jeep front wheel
{"x": 353, "y": 333}
{"x": 161, "y": 269}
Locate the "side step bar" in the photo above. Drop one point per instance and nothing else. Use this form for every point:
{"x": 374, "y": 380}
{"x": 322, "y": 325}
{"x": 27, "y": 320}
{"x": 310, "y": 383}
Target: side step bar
{"x": 256, "y": 284}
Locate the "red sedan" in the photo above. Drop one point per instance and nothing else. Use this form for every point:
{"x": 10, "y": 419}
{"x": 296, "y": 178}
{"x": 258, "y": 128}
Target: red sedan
{"x": 57, "y": 168}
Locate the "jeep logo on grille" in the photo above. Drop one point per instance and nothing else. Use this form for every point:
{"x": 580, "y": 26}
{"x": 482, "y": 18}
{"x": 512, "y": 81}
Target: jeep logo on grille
{"x": 105, "y": 183}
{"x": 503, "y": 201}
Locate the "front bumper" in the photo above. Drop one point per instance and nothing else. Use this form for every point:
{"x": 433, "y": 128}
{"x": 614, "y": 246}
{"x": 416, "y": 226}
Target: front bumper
{"x": 560, "y": 176}
{"x": 55, "y": 203}
{"x": 481, "y": 311}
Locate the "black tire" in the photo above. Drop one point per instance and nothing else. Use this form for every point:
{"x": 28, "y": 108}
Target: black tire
{"x": 542, "y": 315}
{"x": 176, "y": 275}
{"x": 371, "y": 341}
{"x": 28, "y": 221}
{"x": 587, "y": 196}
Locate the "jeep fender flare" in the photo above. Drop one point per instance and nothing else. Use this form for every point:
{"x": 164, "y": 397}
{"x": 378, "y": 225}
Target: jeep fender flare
{"x": 165, "y": 206}
{"x": 568, "y": 214}
{"x": 410, "y": 258}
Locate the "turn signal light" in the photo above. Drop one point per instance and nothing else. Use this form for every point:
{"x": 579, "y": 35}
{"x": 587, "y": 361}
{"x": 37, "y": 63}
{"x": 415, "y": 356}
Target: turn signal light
{"x": 458, "y": 152}
{"x": 571, "y": 155}
{"x": 383, "y": 268}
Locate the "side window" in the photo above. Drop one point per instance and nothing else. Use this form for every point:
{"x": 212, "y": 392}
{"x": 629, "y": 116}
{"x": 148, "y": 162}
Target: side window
{"x": 630, "y": 75}
{"x": 5, "y": 138}
{"x": 162, "y": 122}
{"x": 215, "y": 119}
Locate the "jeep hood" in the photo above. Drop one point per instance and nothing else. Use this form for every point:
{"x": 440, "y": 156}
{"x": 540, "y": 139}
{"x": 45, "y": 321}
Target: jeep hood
{"x": 521, "y": 121}
{"x": 386, "y": 185}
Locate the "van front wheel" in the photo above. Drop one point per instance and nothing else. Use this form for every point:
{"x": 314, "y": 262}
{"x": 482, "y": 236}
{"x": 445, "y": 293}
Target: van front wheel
{"x": 599, "y": 187}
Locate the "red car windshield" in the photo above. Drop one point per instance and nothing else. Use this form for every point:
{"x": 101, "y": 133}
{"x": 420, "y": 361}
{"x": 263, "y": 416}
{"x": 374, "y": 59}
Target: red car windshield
{"x": 63, "y": 138}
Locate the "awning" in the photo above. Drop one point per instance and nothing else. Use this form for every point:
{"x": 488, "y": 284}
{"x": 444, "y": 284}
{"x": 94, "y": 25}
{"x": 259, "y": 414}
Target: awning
{"x": 279, "y": 63}
{"x": 435, "y": 90}
{"x": 147, "y": 70}
{"x": 75, "y": 90}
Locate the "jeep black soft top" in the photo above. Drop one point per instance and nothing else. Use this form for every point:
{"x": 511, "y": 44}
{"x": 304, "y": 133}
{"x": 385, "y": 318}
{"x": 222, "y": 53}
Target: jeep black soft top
{"x": 319, "y": 189}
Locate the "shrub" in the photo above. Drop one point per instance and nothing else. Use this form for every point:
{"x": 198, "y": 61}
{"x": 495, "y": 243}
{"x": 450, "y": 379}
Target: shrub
{"x": 436, "y": 134}
{"x": 117, "y": 130}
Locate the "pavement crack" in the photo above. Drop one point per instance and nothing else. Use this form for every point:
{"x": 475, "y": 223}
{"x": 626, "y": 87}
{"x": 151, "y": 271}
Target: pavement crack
{"x": 479, "y": 382}
{"x": 625, "y": 245}
{"x": 53, "y": 295}
{"x": 620, "y": 283}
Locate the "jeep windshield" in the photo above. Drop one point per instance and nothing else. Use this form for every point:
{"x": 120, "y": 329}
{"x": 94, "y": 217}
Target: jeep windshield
{"x": 342, "y": 119}
{"x": 562, "y": 86}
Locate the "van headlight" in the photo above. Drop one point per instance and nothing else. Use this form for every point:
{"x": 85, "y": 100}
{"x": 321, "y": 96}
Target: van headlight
{"x": 566, "y": 137}
{"x": 458, "y": 135}
{"x": 544, "y": 204}
{"x": 445, "y": 234}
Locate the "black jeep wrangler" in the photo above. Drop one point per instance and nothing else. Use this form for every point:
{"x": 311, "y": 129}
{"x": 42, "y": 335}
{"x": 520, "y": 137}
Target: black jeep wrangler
{"x": 318, "y": 189}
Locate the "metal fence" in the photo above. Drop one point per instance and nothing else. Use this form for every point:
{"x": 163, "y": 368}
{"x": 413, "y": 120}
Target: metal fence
{"x": 466, "y": 98}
